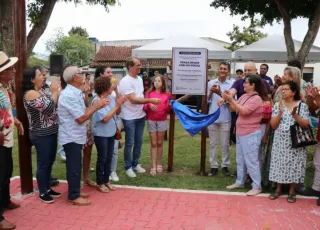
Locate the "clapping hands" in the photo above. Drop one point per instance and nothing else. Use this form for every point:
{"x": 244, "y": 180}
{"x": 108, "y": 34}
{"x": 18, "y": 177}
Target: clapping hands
{"x": 100, "y": 103}
{"x": 220, "y": 102}
{"x": 85, "y": 87}
{"x": 55, "y": 85}
{"x": 314, "y": 94}
{"x": 216, "y": 89}
{"x": 227, "y": 96}
{"x": 277, "y": 80}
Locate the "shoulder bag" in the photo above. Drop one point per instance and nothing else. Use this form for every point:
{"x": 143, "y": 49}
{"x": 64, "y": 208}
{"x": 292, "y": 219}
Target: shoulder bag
{"x": 301, "y": 137}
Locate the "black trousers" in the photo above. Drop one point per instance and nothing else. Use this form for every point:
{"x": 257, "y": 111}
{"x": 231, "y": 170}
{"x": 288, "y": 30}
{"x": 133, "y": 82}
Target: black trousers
{"x": 6, "y": 168}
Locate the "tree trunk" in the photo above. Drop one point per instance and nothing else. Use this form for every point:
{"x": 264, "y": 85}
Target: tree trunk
{"x": 283, "y": 8}
{"x": 6, "y": 27}
{"x": 38, "y": 29}
{"x": 314, "y": 24}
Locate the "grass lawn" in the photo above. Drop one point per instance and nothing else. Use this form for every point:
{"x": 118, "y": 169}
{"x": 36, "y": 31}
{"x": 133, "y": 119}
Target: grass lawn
{"x": 185, "y": 171}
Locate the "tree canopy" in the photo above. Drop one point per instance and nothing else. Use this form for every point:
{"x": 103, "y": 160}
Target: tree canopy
{"x": 272, "y": 11}
{"x": 34, "y": 60}
{"x": 78, "y": 30}
{"x": 76, "y": 49}
{"x": 245, "y": 37}
{"x": 38, "y": 14}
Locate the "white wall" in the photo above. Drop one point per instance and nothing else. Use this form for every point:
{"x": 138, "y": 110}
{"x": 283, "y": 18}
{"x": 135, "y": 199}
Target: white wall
{"x": 278, "y": 69}
{"x": 316, "y": 74}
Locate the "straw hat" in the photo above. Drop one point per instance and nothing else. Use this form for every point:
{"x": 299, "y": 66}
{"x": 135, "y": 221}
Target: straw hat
{"x": 6, "y": 62}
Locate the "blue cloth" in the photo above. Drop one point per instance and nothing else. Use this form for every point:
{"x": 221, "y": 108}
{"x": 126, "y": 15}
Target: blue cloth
{"x": 193, "y": 122}
{"x": 70, "y": 107}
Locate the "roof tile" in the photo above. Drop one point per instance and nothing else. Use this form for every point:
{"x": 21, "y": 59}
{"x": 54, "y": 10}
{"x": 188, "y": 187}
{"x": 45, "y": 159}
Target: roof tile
{"x": 116, "y": 56}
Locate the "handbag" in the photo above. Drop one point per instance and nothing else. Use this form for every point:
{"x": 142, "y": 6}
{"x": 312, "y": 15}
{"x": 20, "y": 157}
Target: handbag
{"x": 234, "y": 118}
{"x": 118, "y": 135}
{"x": 301, "y": 137}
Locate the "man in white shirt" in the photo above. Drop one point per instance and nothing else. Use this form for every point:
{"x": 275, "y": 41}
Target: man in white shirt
{"x": 221, "y": 127}
{"x": 133, "y": 115}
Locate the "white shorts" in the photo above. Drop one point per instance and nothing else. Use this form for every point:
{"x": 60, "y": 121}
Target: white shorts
{"x": 157, "y": 126}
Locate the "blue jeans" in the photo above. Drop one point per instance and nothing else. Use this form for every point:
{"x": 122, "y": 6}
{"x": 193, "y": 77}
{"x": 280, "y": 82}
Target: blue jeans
{"x": 105, "y": 146}
{"x": 247, "y": 157}
{"x": 73, "y": 164}
{"x": 46, "y": 148}
{"x": 134, "y": 135}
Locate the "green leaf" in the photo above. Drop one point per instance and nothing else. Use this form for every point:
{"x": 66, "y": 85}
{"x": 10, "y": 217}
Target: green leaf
{"x": 245, "y": 37}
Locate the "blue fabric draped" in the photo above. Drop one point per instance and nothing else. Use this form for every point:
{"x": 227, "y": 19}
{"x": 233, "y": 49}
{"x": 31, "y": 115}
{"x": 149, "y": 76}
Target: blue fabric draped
{"x": 193, "y": 122}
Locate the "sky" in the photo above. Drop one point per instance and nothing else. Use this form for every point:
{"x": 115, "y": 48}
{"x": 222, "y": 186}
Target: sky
{"x": 147, "y": 19}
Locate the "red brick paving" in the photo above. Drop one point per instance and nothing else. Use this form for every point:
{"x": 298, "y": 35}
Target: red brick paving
{"x": 129, "y": 208}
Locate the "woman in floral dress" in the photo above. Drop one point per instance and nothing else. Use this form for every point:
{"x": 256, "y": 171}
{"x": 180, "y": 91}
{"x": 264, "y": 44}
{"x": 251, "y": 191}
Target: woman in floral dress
{"x": 292, "y": 74}
{"x": 288, "y": 165}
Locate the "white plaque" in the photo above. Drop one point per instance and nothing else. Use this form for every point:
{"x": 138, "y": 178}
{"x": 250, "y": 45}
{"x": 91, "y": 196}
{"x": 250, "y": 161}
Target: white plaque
{"x": 189, "y": 71}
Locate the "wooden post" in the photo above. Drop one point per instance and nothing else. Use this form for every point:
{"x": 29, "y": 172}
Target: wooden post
{"x": 20, "y": 51}
{"x": 171, "y": 137}
{"x": 204, "y": 131}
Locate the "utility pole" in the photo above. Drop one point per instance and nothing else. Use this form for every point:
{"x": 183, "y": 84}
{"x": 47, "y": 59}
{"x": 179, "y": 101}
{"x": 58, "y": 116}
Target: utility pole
{"x": 20, "y": 51}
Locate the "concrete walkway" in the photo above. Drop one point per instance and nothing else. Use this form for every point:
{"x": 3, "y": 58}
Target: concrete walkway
{"x": 141, "y": 208}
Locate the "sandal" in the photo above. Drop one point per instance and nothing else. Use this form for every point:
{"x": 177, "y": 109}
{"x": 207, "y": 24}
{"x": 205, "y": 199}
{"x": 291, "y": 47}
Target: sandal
{"x": 110, "y": 187}
{"x": 89, "y": 183}
{"x": 291, "y": 198}
{"x": 102, "y": 188}
{"x": 153, "y": 171}
{"x": 274, "y": 195}
{"x": 159, "y": 169}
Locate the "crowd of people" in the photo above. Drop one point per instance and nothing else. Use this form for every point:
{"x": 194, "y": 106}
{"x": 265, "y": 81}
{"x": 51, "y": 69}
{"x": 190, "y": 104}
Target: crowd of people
{"x": 77, "y": 113}
{"x": 256, "y": 112}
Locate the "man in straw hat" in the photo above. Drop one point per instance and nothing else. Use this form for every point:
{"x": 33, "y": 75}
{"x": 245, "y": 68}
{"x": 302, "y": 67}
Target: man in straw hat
{"x": 7, "y": 120}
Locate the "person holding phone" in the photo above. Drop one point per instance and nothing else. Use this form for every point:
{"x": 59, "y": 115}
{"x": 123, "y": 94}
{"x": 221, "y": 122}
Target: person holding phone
{"x": 220, "y": 129}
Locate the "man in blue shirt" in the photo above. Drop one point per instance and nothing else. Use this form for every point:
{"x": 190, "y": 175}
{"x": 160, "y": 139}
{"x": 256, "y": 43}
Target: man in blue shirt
{"x": 264, "y": 68}
{"x": 221, "y": 127}
{"x": 73, "y": 116}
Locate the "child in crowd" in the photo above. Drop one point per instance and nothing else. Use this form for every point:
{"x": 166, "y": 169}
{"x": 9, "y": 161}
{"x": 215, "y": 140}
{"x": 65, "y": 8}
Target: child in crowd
{"x": 265, "y": 126}
{"x": 157, "y": 121}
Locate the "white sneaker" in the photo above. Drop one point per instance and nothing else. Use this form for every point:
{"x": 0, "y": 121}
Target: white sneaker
{"x": 62, "y": 155}
{"x": 254, "y": 192}
{"x": 114, "y": 176}
{"x": 130, "y": 173}
{"x": 234, "y": 186}
{"x": 139, "y": 169}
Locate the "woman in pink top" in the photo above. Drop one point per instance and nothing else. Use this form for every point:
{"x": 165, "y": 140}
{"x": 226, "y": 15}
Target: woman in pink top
{"x": 249, "y": 110}
{"x": 157, "y": 121}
